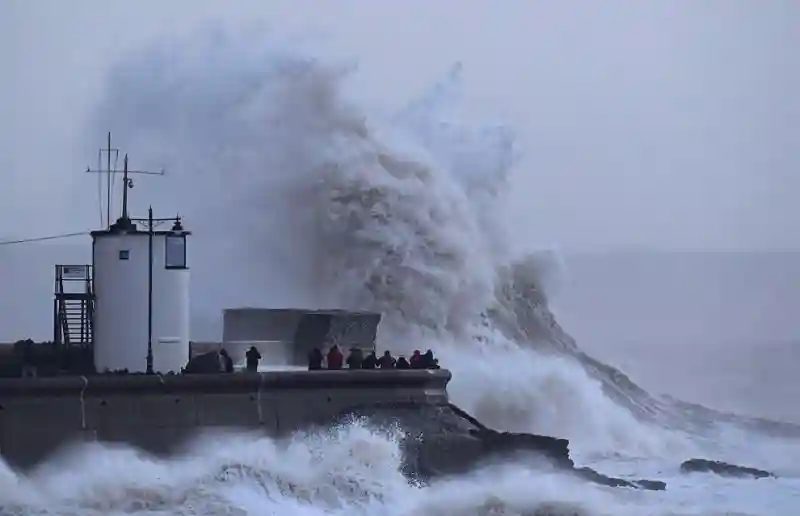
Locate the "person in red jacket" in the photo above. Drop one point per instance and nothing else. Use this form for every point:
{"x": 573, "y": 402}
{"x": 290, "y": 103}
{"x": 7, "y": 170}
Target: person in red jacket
{"x": 335, "y": 358}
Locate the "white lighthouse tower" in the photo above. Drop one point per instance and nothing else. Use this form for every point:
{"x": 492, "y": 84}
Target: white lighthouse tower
{"x": 141, "y": 293}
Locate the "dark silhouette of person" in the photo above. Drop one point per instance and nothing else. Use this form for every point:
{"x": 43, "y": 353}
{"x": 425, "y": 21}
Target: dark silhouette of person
{"x": 416, "y": 360}
{"x": 252, "y": 356}
{"x": 335, "y": 358}
{"x": 355, "y": 359}
{"x": 402, "y": 363}
{"x": 387, "y": 361}
{"x": 370, "y": 361}
{"x": 315, "y": 360}
{"x": 226, "y": 362}
{"x": 428, "y": 362}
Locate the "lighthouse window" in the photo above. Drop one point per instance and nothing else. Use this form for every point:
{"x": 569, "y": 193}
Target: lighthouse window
{"x": 175, "y": 246}
{"x": 124, "y": 254}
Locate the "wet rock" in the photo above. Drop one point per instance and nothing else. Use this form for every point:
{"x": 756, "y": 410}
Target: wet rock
{"x": 598, "y": 478}
{"x": 723, "y": 469}
{"x": 554, "y": 450}
{"x": 650, "y": 485}
{"x": 499, "y": 444}
{"x": 445, "y": 440}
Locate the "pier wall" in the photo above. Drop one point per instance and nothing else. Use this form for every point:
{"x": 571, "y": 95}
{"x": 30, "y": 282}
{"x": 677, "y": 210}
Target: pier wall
{"x": 157, "y": 413}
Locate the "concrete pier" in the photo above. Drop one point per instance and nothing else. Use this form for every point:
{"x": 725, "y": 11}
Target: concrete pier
{"x": 157, "y": 413}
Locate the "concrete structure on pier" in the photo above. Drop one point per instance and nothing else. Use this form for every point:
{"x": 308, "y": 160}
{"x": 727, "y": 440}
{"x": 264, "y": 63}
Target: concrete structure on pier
{"x": 284, "y": 336}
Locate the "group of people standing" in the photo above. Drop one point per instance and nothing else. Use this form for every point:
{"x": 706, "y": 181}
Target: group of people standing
{"x": 335, "y": 359}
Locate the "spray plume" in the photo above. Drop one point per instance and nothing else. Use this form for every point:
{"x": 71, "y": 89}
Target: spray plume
{"x": 304, "y": 198}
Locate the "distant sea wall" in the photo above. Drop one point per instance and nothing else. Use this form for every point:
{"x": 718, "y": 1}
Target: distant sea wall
{"x": 157, "y": 413}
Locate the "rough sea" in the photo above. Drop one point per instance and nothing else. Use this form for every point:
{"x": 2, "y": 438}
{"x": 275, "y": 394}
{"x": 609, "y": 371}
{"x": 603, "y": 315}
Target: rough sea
{"x": 300, "y": 195}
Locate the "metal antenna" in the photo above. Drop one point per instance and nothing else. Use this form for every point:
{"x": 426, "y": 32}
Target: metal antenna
{"x": 126, "y": 183}
{"x": 107, "y": 172}
{"x": 125, "y": 186}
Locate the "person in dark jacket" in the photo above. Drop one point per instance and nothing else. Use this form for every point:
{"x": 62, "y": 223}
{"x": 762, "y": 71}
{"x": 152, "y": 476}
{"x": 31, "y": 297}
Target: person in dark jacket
{"x": 252, "y": 356}
{"x": 370, "y": 361}
{"x": 416, "y": 360}
{"x": 387, "y": 361}
{"x": 428, "y": 362}
{"x": 355, "y": 359}
{"x": 226, "y": 362}
{"x": 402, "y": 363}
{"x": 315, "y": 360}
{"x": 335, "y": 358}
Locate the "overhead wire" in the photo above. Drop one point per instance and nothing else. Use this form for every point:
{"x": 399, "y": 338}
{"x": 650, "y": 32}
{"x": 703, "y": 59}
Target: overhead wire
{"x": 43, "y": 238}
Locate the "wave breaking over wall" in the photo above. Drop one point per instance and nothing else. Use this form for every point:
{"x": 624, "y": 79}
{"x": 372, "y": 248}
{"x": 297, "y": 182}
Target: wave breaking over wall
{"x": 300, "y": 196}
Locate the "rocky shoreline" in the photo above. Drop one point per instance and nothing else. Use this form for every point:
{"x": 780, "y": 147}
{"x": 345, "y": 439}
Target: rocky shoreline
{"x": 444, "y": 440}
{"x": 723, "y": 469}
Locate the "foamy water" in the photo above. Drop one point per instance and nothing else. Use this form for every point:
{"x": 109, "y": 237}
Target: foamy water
{"x": 354, "y": 470}
{"x": 305, "y": 198}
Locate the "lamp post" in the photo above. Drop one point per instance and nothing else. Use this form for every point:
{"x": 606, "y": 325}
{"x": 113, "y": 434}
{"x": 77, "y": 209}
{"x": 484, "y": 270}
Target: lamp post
{"x": 150, "y": 290}
{"x": 177, "y": 228}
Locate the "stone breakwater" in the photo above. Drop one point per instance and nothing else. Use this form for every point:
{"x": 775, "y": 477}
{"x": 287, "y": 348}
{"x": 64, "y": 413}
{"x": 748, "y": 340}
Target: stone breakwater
{"x": 158, "y": 413}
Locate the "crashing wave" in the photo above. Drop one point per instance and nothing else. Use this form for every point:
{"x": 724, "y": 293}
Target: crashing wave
{"x": 325, "y": 206}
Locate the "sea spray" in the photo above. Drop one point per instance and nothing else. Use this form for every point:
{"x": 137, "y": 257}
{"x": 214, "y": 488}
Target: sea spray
{"x": 349, "y": 470}
{"x": 399, "y": 214}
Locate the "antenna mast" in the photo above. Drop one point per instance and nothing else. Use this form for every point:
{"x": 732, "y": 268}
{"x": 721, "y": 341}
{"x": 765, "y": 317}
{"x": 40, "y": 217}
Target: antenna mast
{"x": 125, "y": 185}
{"x": 107, "y": 172}
{"x": 127, "y": 182}
{"x": 108, "y": 179}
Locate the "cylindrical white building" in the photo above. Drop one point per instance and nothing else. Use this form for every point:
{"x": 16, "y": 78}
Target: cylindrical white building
{"x": 121, "y": 259}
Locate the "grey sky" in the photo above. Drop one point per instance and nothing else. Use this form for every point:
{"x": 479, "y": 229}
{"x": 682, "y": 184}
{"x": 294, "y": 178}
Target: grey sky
{"x": 644, "y": 124}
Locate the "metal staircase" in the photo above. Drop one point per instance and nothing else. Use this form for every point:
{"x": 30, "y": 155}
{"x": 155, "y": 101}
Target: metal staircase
{"x": 73, "y": 306}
